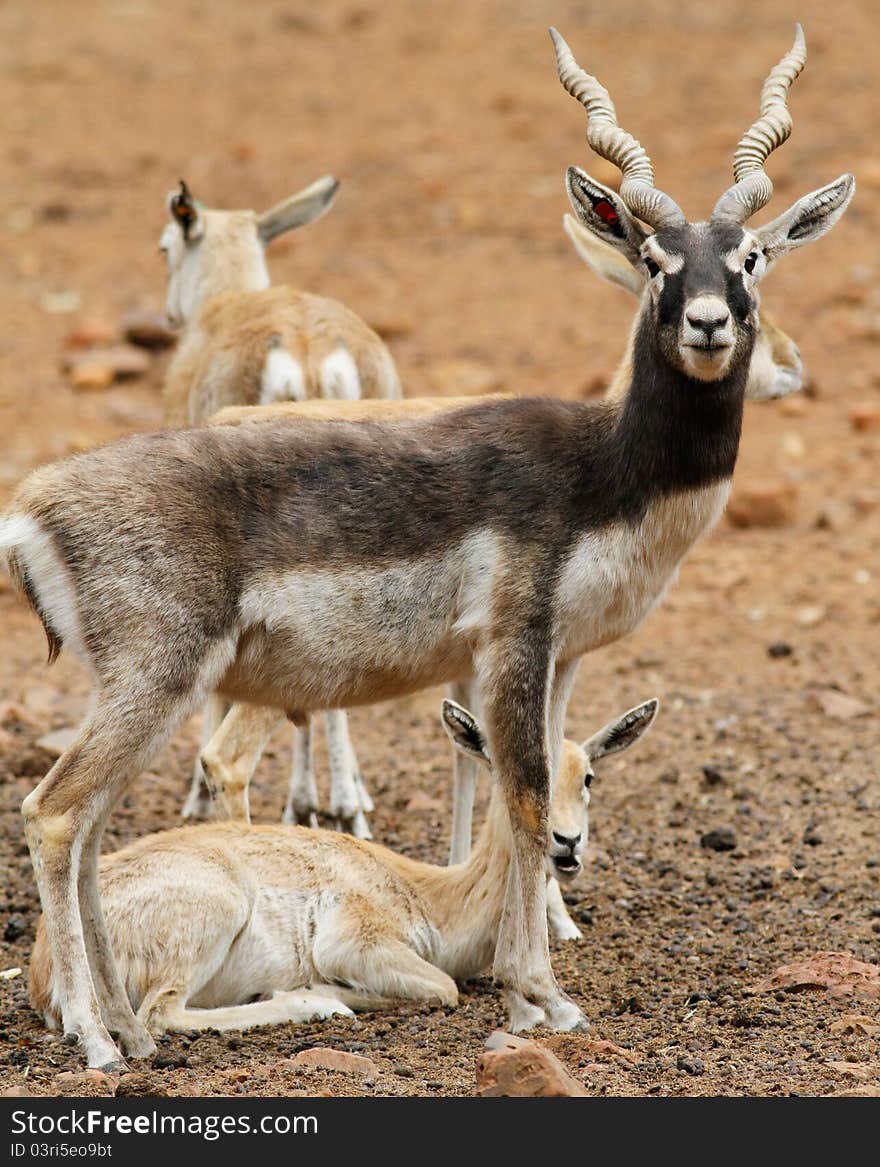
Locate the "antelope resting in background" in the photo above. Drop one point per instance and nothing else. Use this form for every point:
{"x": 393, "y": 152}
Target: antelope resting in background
{"x": 320, "y": 565}
{"x": 205, "y": 919}
{"x": 232, "y": 755}
{"x": 246, "y": 343}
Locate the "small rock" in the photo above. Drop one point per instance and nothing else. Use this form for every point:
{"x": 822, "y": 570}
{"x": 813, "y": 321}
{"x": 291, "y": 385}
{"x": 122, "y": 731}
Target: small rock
{"x": 324, "y": 1058}
{"x": 88, "y": 333}
{"x": 91, "y": 376}
{"x": 792, "y": 406}
{"x": 779, "y": 649}
{"x": 139, "y": 1086}
{"x": 169, "y": 1062}
{"x": 693, "y": 1066}
{"x": 513, "y": 1067}
{"x": 403, "y": 1071}
{"x": 838, "y": 973}
{"x": 833, "y": 516}
{"x": 462, "y": 377}
{"x": 15, "y": 928}
{"x": 793, "y": 446}
{"x": 120, "y": 361}
{"x": 19, "y": 1091}
{"x": 763, "y": 504}
{"x": 865, "y": 417}
{"x": 148, "y": 330}
{"x": 855, "y": 1023}
{"x": 84, "y": 1081}
{"x": 861, "y": 1073}
{"x": 712, "y": 776}
{"x": 60, "y": 303}
{"x": 811, "y": 615}
{"x": 56, "y": 742}
{"x": 721, "y": 839}
{"x": 837, "y": 705}
{"x": 866, "y": 501}
{"x": 812, "y": 838}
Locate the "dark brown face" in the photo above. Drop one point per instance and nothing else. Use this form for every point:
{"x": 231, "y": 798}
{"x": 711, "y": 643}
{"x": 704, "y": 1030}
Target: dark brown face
{"x": 701, "y": 279}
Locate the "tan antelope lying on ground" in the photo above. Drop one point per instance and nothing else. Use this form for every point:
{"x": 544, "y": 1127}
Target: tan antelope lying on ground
{"x": 233, "y": 753}
{"x": 322, "y": 565}
{"x": 205, "y": 919}
{"x": 246, "y": 343}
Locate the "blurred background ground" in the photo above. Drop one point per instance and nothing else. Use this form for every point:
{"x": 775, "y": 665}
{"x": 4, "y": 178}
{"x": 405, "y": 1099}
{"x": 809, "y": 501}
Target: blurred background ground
{"x": 450, "y": 133}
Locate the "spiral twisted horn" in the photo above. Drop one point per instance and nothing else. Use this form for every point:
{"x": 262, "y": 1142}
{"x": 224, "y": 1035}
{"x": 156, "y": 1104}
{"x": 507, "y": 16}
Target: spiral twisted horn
{"x": 609, "y": 141}
{"x": 752, "y": 188}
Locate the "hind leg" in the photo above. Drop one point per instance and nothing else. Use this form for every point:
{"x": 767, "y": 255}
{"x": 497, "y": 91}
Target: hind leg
{"x": 345, "y": 795}
{"x": 64, "y": 818}
{"x": 465, "y": 770}
{"x": 359, "y": 949}
{"x": 302, "y": 792}
{"x": 109, "y": 988}
{"x": 233, "y": 753}
{"x": 199, "y": 803}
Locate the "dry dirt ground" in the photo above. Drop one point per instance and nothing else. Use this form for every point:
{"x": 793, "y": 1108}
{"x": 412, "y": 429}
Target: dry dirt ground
{"x": 449, "y": 130}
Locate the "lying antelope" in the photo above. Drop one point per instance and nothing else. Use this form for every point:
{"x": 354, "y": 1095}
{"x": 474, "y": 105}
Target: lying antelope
{"x": 246, "y": 343}
{"x": 322, "y": 565}
{"x": 231, "y": 756}
{"x": 205, "y": 919}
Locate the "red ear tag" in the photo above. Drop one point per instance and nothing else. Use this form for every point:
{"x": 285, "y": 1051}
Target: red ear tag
{"x": 605, "y": 211}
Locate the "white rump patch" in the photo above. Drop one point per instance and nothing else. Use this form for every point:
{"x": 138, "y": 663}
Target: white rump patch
{"x": 339, "y": 377}
{"x": 282, "y": 378}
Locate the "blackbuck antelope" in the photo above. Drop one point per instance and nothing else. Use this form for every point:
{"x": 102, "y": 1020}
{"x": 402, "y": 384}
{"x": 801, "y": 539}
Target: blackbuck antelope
{"x": 246, "y": 343}
{"x": 205, "y": 920}
{"x": 232, "y": 754}
{"x": 321, "y": 565}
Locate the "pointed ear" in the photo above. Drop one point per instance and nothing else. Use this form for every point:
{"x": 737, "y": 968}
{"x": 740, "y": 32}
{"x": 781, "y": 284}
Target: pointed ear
{"x": 184, "y": 211}
{"x": 808, "y": 219}
{"x": 465, "y": 732}
{"x": 605, "y": 261}
{"x": 623, "y": 732}
{"x": 301, "y": 208}
{"x": 604, "y": 213}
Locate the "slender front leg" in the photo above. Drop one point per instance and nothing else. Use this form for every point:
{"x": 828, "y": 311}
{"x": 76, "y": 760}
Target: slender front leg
{"x": 514, "y": 684}
{"x": 562, "y": 926}
{"x": 345, "y": 796}
{"x": 302, "y": 794}
{"x": 464, "y": 781}
{"x": 198, "y": 803}
{"x": 231, "y": 756}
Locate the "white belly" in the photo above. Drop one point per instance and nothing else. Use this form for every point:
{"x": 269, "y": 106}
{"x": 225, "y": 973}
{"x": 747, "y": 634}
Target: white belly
{"x": 416, "y": 620}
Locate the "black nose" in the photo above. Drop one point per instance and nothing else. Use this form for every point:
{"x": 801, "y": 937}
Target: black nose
{"x": 570, "y": 841}
{"x": 708, "y": 324}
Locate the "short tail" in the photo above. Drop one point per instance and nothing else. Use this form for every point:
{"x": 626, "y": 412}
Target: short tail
{"x": 15, "y": 532}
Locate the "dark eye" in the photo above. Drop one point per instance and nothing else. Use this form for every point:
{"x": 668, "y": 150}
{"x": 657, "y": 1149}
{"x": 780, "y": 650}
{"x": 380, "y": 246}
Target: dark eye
{"x": 588, "y": 778}
{"x": 751, "y": 260}
{"x": 653, "y": 268}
